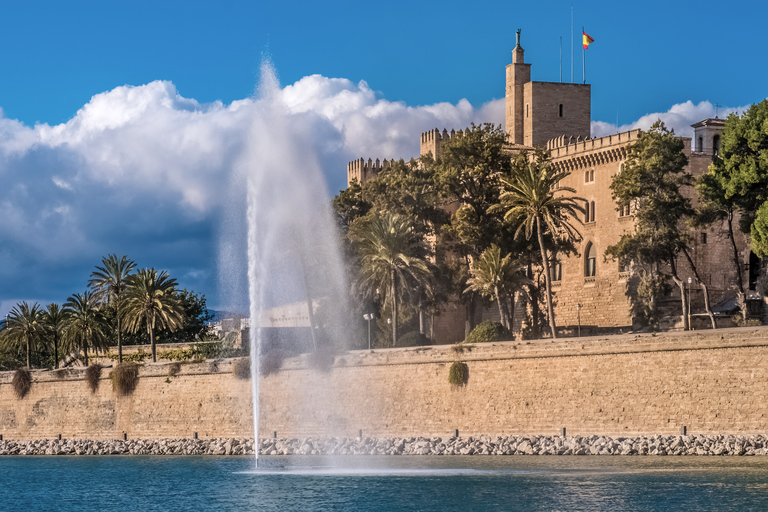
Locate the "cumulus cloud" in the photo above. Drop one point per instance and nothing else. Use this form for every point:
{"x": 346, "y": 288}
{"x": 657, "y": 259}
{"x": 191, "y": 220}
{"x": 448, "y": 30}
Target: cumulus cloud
{"x": 679, "y": 117}
{"x": 145, "y": 171}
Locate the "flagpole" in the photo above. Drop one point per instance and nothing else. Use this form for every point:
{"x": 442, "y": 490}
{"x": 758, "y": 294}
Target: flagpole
{"x": 583, "y": 59}
{"x": 571, "y": 43}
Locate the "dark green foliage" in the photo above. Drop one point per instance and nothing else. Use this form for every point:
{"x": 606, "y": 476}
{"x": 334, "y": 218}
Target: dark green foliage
{"x": 241, "y": 368}
{"x": 486, "y": 332}
{"x": 271, "y": 362}
{"x": 195, "y": 322}
{"x": 93, "y": 376}
{"x": 760, "y": 231}
{"x": 22, "y": 382}
{"x": 349, "y": 205}
{"x": 413, "y": 339}
{"x": 458, "y": 374}
{"x": 322, "y": 359}
{"x": 173, "y": 369}
{"x": 125, "y": 378}
{"x": 744, "y": 160}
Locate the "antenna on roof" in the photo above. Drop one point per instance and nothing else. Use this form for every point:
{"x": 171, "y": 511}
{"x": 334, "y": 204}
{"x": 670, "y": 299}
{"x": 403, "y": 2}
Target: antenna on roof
{"x": 717, "y": 109}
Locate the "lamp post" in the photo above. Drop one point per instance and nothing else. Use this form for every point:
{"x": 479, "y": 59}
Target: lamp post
{"x": 690, "y": 328}
{"x": 389, "y": 322}
{"x": 578, "y": 316}
{"x": 369, "y": 317}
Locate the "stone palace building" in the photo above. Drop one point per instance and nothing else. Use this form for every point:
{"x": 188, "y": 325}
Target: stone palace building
{"x": 590, "y": 290}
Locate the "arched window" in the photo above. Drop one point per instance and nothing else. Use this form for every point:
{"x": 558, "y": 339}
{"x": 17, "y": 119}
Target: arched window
{"x": 716, "y": 145}
{"x": 592, "y": 216}
{"x": 586, "y": 176}
{"x": 700, "y": 147}
{"x": 592, "y": 175}
{"x": 561, "y": 110}
{"x": 586, "y": 212}
{"x": 590, "y": 260}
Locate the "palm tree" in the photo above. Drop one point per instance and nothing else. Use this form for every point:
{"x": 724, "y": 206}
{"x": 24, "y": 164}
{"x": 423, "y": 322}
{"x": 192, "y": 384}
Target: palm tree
{"x": 23, "y": 328}
{"x": 532, "y": 198}
{"x": 151, "y": 300}
{"x": 86, "y": 323}
{"x": 497, "y": 278}
{"x": 55, "y": 321}
{"x": 110, "y": 281}
{"x": 390, "y": 260}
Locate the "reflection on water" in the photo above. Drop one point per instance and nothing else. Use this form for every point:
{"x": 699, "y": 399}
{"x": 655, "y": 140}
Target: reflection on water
{"x": 381, "y": 483}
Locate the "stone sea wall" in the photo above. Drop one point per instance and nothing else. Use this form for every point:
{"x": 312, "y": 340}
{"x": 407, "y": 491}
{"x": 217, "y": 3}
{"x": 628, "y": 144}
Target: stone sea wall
{"x": 711, "y": 382}
{"x": 512, "y": 445}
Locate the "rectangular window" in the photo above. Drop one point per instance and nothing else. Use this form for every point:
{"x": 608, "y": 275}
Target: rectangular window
{"x": 704, "y": 237}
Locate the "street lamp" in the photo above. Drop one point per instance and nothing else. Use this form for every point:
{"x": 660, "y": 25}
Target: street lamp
{"x": 369, "y": 317}
{"x": 578, "y": 316}
{"x": 689, "y": 304}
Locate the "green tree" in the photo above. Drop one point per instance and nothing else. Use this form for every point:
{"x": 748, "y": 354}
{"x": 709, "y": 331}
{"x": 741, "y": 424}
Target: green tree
{"x": 498, "y": 279}
{"x": 110, "y": 282}
{"x": 196, "y": 318}
{"x": 744, "y": 158}
{"x": 23, "y": 329}
{"x": 391, "y": 260}
{"x": 533, "y": 200}
{"x": 467, "y": 173}
{"x": 151, "y": 301}
{"x": 349, "y": 204}
{"x": 55, "y": 321}
{"x": 653, "y": 181}
{"x": 86, "y": 324}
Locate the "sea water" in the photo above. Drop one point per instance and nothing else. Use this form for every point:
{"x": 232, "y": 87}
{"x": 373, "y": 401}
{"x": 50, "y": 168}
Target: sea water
{"x": 384, "y": 483}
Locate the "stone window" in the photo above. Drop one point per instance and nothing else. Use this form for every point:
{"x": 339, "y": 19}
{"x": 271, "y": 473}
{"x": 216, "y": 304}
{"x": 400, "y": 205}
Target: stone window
{"x": 700, "y": 146}
{"x": 589, "y": 176}
{"x": 586, "y": 212}
{"x": 526, "y": 110}
{"x": 561, "y": 110}
{"x": 703, "y": 237}
{"x": 624, "y": 210}
{"x": 716, "y": 145}
{"x": 557, "y": 271}
{"x": 590, "y": 260}
{"x": 593, "y": 211}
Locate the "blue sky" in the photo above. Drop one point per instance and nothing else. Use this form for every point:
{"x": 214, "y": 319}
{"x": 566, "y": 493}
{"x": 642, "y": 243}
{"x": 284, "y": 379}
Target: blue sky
{"x": 85, "y": 173}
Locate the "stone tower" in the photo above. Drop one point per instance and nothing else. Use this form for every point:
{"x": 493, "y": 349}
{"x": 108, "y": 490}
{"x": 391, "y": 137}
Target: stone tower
{"x": 537, "y": 112}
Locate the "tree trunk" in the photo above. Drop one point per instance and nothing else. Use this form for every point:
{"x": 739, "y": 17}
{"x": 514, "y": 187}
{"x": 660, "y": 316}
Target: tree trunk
{"x": 547, "y": 282}
{"x": 394, "y": 308}
{"x": 421, "y": 317}
{"x": 704, "y": 289}
{"x": 119, "y": 340}
{"x": 152, "y": 343}
{"x": 533, "y": 294}
{"x": 742, "y": 299}
{"x": 56, "y": 351}
{"x": 502, "y": 312}
{"x": 85, "y": 351}
{"x": 28, "y": 343}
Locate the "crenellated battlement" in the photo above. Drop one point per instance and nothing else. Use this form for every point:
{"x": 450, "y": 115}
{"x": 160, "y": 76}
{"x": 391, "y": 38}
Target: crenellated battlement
{"x": 363, "y": 170}
{"x": 432, "y": 140}
{"x": 569, "y": 145}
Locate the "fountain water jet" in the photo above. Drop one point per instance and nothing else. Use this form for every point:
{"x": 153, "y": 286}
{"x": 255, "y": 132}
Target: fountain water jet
{"x": 291, "y": 254}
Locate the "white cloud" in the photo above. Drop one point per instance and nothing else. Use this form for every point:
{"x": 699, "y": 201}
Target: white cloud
{"x": 679, "y": 117}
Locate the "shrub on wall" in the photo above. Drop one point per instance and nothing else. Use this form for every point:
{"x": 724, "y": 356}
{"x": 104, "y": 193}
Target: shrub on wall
{"x": 322, "y": 359}
{"x": 271, "y": 362}
{"x": 125, "y": 378}
{"x": 173, "y": 369}
{"x": 22, "y": 382}
{"x": 458, "y": 375}
{"x": 242, "y": 368}
{"x": 92, "y": 376}
{"x": 486, "y": 332}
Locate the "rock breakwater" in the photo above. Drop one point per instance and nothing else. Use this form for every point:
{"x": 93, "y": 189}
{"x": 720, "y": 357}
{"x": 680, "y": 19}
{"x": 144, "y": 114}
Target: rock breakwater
{"x": 482, "y": 445}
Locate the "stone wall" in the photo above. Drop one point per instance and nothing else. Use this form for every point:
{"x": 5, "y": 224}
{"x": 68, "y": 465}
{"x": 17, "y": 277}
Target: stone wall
{"x": 712, "y": 382}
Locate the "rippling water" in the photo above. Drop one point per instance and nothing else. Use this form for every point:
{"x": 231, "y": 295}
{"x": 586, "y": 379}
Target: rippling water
{"x": 380, "y": 483}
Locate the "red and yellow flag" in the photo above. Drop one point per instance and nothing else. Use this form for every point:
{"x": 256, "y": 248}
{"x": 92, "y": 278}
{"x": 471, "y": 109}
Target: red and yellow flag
{"x": 587, "y": 39}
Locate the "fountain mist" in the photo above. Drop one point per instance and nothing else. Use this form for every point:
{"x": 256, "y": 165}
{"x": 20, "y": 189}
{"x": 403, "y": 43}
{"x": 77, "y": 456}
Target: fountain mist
{"x": 290, "y": 254}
